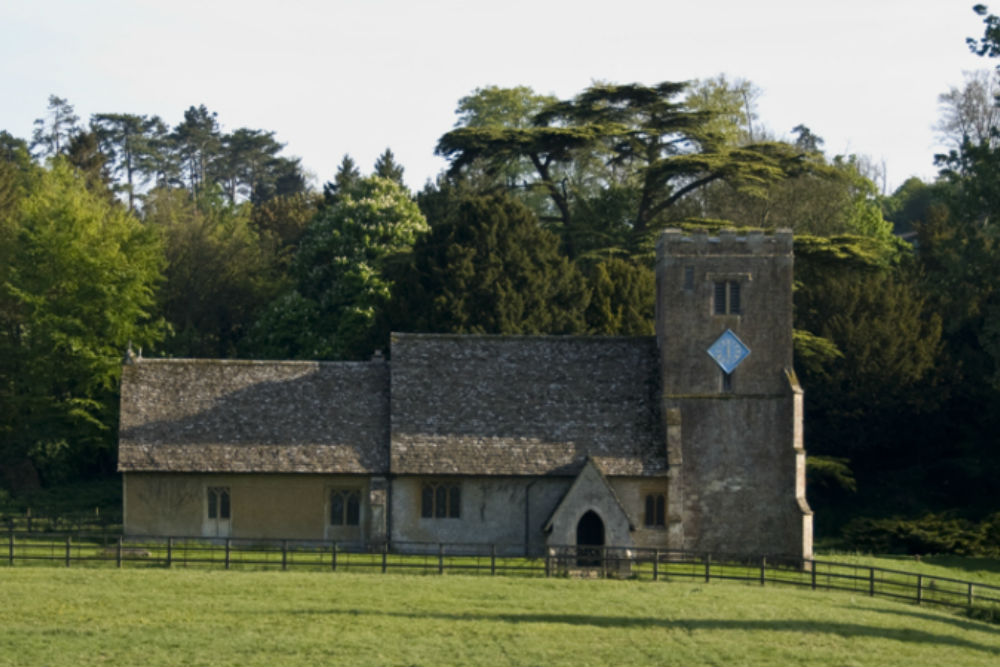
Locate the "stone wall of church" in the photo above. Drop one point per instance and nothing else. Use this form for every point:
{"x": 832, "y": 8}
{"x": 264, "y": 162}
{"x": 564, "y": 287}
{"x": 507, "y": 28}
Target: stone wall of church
{"x": 292, "y": 506}
{"x": 734, "y": 412}
{"x": 493, "y": 510}
{"x": 513, "y": 510}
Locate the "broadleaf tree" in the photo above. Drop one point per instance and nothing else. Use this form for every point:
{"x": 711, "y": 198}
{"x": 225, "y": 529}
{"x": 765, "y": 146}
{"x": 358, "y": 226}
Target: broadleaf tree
{"x": 77, "y": 284}
{"x": 340, "y": 272}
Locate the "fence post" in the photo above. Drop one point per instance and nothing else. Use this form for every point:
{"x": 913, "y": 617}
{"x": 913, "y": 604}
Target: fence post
{"x": 812, "y": 576}
{"x": 170, "y": 551}
{"x": 333, "y": 556}
{"x": 118, "y": 552}
{"x": 548, "y": 562}
{"x": 708, "y": 567}
{"x": 871, "y": 582}
{"x": 440, "y": 558}
{"x": 385, "y": 556}
{"x": 228, "y": 547}
{"x": 493, "y": 559}
{"x": 656, "y": 564}
{"x": 920, "y": 588}
{"x": 67, "y": 549}
{"x": 284, "y": 554}
{"x": 970, "y": 583}
{"x": 763, "y": 569}
{"x": 10, "y": 547}
{"x": 27, "y": 515}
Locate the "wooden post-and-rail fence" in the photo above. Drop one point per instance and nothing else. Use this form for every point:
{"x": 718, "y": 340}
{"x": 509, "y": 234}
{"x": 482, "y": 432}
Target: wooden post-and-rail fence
{"x": 104, "y": 549}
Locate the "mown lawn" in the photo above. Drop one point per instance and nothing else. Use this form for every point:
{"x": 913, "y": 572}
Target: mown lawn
{"x": 87, "y": 616}
{"x": 978, "y": 570}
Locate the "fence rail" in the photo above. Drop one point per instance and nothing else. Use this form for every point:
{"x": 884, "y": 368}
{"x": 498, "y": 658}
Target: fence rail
{"x": 110, "y": 550}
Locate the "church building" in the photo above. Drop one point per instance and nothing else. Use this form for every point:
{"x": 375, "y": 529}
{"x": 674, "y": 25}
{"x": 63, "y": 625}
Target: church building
{"x": 691, "y": 439}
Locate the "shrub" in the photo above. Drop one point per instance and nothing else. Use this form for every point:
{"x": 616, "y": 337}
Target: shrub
{"x": 932, "y": 533}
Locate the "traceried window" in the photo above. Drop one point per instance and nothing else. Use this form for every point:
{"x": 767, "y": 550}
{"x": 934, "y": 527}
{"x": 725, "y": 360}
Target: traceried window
{"x": 441, "y": 500}
{"x": 345, "y": 507}
{"x": 726, "y": 300}
{"x": 656, "y": 510}
{"x": 218, "y": 502}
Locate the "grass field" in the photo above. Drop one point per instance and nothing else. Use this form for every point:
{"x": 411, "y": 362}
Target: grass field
{"x": 979, "y": 570}
{"x": 91, "y": 616}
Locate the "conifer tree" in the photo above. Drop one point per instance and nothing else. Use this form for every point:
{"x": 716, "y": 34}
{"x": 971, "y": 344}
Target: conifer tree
{"x": 491, "y": 268}
{"x": 387, "y": 167}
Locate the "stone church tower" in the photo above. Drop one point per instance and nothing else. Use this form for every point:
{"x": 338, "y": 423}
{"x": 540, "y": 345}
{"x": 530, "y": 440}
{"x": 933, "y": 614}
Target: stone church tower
{"x": 731, "y": 402}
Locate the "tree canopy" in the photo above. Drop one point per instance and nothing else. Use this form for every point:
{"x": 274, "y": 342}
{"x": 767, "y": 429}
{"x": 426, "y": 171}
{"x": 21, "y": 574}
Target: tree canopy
{"x": 78, "y": 278}
{"x": 341, "y": 286}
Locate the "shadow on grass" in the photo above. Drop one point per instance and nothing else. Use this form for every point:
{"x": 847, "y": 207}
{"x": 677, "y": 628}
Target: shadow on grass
{"x": 847, "y": 630}
{"x": 958, "y": 622}
{"x": 965, "y": 563}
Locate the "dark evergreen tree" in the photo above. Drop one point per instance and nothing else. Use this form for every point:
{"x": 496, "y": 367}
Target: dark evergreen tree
{"x": 623, "y": 298}
{"x": 90, "y": 163}
{"x": 490, "y": 268}
{"x": 348, "y": 175}
{"x": 387, "y": 167}
{"x": 197, "y": 142}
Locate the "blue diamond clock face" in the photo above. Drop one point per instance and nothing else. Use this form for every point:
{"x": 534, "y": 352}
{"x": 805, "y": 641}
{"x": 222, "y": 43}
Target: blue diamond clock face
{"x": 728, "y": 351}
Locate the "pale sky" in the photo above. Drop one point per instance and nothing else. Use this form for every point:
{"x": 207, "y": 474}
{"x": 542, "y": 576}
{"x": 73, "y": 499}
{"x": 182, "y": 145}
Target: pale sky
{"x": 334, "y": 77}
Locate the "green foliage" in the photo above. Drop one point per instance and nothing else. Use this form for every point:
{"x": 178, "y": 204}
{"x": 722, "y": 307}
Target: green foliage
{"x": 490, "y": 269}
{"x": 346, "y": 179}
{"x": 913, "y": 204}
{"x": 386, "y": 167}
{"x": 77, "y": 281}
{"x": 930, "y": 534}
{"x": 641, "y": 140}
{"x": 831, "y": 471}
{"x": 71, "y": 498}
{"x": 623, "y": 298}
{"x": 341, "y": 283}
{"x": 493, "y": 106}
{"x": 197, "y": 143}
{"x": 867, "y": 349}
{"x": 52, "y": 134}
{"x": 815, "y": 198}
{"x": 84, "y": 155}
{"x": 241, "y": 168}
{"x": 814, "y": 354}
{"x": 729, "y": 103}
{"x": 127, "y": 142}
{"x": 880, "y": 322}
{"x": 283, "y": 219}
{"x": 219, "y": 273}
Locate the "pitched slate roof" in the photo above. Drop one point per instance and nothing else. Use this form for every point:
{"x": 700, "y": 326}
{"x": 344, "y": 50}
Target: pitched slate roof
{"x": 197, "y": 415}
{"x": 450, "y": 405}
{"x": 524, "y": 405}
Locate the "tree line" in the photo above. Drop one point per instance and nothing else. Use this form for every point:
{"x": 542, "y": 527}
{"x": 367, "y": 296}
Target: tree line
{"x": 193, "y": 241}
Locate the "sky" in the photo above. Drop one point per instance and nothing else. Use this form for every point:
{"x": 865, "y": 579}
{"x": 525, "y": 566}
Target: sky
{"x": 333, "y": 77}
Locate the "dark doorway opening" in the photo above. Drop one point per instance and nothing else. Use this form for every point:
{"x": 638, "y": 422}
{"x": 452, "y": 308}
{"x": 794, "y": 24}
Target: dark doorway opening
{"x": 589, "y": 540}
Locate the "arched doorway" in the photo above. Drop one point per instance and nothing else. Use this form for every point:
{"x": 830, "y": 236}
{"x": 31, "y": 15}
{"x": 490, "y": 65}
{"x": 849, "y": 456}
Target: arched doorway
{"x": 589, "y": 540}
